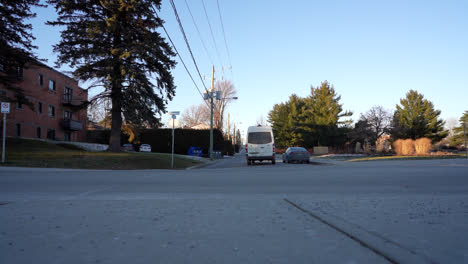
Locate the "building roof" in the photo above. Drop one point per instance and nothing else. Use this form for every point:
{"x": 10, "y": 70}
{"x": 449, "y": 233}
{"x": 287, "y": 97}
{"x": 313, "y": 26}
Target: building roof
{"x": 201, "y": 126}
{"x": 41, "y": 64}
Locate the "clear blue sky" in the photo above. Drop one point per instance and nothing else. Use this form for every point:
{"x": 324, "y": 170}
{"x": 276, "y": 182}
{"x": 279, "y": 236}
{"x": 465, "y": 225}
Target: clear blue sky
{"x": 373, "y": 52}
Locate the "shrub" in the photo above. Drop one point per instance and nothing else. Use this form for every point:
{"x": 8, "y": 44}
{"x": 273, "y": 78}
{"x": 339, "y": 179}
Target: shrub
{"x": 161, "y": 140}
{"x": 397, "y": 146}
{"x": 422, "y": 146}
{"x": 404, "y": 147}
{"x": 407, "y": 148}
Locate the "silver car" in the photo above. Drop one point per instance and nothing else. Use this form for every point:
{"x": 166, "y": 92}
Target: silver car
{"x": 297, "y": 154}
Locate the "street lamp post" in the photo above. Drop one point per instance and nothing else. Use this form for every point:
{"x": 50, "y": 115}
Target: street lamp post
{"x": 210, "y": 96}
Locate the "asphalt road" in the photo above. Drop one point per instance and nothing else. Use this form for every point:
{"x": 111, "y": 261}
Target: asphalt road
{"x": 228, "y": 212}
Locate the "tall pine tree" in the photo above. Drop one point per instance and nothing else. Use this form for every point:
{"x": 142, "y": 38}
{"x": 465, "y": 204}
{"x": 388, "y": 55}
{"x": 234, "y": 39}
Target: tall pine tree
{"x": 16, "y": 48}
{"x": 283, "y": 118}
{"x": 458, "y": 137}
{"x": 321, "y": 119}
{"x": 311, "y": 121}
{"x": 416, "y": 118}
{"x": 116, "y": 45}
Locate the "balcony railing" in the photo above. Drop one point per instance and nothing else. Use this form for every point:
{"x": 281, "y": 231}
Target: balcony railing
{"x": 72, "y": 125}
{"x": 69, "y": 100}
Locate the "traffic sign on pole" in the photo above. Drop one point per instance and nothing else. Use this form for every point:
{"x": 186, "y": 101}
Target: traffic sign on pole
{"x": 174, "y": 116}
{"x": 5, "y": 108}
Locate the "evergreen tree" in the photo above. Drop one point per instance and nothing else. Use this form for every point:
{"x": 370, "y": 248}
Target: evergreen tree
{"x": 311, "y": 121}
{"x": 458, "y": 137}
{"x": 416, "y": 118}
{"x": 320, "y": 120}
{"x": 116, "y": 45}
{"x": 362, "y": 132}
{"x": 16, "y": 48}
{"x": 284, "y": 118}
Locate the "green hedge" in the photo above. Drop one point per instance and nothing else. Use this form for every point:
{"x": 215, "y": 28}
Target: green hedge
{"x": 103, "y": 136}
{"x": 161, "y": 139}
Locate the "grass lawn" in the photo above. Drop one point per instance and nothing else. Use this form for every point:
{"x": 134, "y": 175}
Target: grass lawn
{"x": 33, "y": 153}
{"x": 455, "y": 156}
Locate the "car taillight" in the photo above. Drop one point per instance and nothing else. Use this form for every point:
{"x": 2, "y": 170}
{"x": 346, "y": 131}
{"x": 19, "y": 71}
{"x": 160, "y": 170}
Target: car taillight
{"x": 273, "y": 147}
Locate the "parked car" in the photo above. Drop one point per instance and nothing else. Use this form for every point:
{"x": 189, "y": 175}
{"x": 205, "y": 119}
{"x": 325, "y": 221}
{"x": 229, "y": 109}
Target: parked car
{"x": 260, "y": 144}
{"x": 127, "y": 147}
{"x": 296, "y": 154}
{"x": 145, "y": 148}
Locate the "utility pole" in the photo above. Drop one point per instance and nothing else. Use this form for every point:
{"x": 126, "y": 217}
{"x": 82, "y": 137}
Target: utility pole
{"x": 210, "y": 96}
{"x": 211, "y": 108}
{"x": 235, "y": 134}
{"x": 464, "y": 134}
{"x": 229, "y": 131}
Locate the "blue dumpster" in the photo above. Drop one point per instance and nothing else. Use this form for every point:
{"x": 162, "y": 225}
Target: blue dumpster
{"x": 195, "y": 151}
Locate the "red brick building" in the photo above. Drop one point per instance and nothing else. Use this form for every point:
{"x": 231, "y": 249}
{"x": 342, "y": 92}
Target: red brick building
{"x": 56, "y": 113}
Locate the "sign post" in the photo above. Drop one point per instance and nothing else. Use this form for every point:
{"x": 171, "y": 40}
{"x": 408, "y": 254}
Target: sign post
{"x": 5, "y": 107}
{"x": 173, "y": 115}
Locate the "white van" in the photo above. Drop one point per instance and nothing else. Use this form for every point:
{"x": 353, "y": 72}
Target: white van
{"x": 260, "y": 144}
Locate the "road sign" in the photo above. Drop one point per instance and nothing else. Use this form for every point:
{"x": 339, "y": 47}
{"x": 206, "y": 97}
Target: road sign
{"x": 174, "y": 113}
{"x": 5, "y": 108}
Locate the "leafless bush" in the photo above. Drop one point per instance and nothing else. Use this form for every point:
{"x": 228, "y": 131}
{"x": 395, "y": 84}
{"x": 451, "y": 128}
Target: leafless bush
{"x": 422, "y": 146}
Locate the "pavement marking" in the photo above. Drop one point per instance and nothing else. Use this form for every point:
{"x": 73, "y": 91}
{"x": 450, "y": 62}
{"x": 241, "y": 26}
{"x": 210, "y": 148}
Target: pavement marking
{"x": 390, "y": 250}
{"x": 70, "y": 197}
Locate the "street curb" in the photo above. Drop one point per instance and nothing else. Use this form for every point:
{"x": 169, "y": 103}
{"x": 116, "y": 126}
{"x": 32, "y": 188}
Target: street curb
{"x": 199, "y": 166}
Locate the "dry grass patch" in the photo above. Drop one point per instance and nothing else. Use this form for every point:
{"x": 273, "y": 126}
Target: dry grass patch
{"x": 404, "y": 147}
{"x": 422, "y": 146}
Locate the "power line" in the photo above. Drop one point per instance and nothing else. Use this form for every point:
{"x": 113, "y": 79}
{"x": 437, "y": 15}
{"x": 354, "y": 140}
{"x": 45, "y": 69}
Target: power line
{"x": 224, "y": 35}
{"x": 180, "y": 58}
{"x": 186, "y": 42}
{"x": 211, "y": 31}
{"x": 199, "y": 34}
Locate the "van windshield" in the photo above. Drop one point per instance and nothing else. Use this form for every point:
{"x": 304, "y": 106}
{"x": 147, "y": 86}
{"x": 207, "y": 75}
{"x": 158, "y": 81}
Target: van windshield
{"x": 259, "y": 138}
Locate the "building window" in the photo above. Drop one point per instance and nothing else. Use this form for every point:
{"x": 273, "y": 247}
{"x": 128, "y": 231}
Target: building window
{"x": 3, "y": 95}
{"x": 52, "y": 85}
{"x": 51, "y": 133}
{"x": 2, "y": 67}
{"x": 40, "y": 79}
{"x": 19, "y": 105}
{"x": 18, "y": 130}
{"x": 67, "y": 115}
{"x": 68, "y": 94}
{"x": 39, "y": 107}
{"x": 51, "y": 111}
{"x": 19, "y": 72}
{"x": 67, "y": 136}
{"x": 38, "y": 132}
